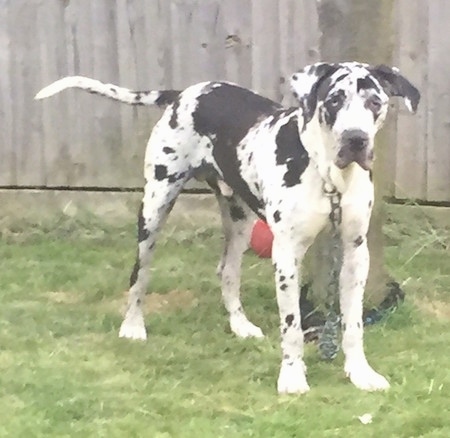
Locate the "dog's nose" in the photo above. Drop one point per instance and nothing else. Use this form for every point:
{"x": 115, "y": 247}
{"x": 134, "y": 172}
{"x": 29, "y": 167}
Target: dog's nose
{"x": 355, "y": 139}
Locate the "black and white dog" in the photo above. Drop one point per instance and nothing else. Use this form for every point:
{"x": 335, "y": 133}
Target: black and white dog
{"x": 264, "y": 160}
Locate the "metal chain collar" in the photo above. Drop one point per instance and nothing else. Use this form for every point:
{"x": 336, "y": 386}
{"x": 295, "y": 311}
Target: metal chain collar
{"x": 329, "y": 339}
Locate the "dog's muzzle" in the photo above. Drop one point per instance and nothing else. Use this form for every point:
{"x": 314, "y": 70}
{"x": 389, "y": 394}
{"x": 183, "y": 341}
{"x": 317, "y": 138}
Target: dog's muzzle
{"x": 354, "y": 148}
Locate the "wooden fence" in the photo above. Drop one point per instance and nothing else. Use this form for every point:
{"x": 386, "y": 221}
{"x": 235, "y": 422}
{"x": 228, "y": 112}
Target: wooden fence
{"x": 79, "y": 140}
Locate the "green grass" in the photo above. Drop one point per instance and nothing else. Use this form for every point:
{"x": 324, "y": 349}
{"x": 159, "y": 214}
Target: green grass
{"x": 64, "y": 372}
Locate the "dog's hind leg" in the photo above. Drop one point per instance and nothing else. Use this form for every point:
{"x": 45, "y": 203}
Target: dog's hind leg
{"x": 237, "y": 221}
{"x": 159, "y": 198}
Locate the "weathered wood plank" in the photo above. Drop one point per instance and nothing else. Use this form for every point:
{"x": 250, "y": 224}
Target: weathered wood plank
{"x": 411, "y": 57}
{"x": 238, "y": 39}
{"x": 299, "y": 41}
{"x": 25, "y": 72}
{"x": 438, "y": 102}
{"x": 7, "y": 152}
{"x": 265, "y": 49}
{"x": 79, "y": 55}
{"x": 55, "y": 131}
{"x": 106, "y": 153}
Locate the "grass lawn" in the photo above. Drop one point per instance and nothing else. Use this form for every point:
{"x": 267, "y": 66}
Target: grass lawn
{"x": 65, "y": 373}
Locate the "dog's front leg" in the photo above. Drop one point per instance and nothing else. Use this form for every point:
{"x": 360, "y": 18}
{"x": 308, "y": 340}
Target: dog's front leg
{"x": 292, "y": 378}
{"x": 353, "y": 278}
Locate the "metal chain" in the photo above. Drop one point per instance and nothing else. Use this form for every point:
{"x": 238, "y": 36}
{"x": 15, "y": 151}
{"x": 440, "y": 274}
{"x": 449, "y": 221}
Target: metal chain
{"x": 329, "y": 338}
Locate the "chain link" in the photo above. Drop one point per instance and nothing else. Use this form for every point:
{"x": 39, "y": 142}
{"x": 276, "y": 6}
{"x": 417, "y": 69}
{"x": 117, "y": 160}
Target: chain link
{"x": 329, "y": 338}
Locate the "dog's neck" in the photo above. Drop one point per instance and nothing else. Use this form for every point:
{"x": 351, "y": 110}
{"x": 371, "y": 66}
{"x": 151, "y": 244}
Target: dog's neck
{"x": 320, "y": 150}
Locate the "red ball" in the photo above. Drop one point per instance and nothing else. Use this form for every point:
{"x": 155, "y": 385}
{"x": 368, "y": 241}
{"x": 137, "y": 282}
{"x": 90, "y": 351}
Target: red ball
{"x": 261, "y": 239}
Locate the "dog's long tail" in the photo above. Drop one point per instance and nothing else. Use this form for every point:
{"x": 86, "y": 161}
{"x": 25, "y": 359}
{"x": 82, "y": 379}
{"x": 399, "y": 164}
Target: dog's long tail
{"x": 159, "y": 98}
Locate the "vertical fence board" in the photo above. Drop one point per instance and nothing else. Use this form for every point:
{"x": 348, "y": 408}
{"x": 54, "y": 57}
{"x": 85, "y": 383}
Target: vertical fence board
{"x": 106, "y": 131}
{"x": 82, "y": 140}
{"x": 237, "y": 18}
{"x": 299, "y": 41}
{"x": 265, "y": 49}
{"x": 56, "y": 133}
{"x": 181, "y": 39}
{"x": 131, "y": 29}
{"x": 411, "y": 142}
{"x": 7, "y": 151}
{"x": 438, "y": 100}
{"x": 25, "y": 72}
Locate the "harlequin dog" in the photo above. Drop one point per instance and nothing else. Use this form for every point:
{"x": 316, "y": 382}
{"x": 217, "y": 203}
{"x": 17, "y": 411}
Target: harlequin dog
{"x": 265, "y": 160}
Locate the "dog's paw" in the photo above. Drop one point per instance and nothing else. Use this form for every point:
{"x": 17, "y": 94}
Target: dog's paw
{"x": 364, "y": 377}
{"x": 243, "y": 328}
{"x": 292, "y": 378}
{"x": 133, "y": 329}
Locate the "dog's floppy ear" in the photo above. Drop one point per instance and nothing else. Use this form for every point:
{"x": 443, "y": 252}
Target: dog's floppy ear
{"x": 394, "y": 84}
{"x": 305, "y": 83}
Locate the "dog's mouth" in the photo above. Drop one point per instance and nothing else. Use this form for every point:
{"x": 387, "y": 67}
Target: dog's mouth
{"x": 363, "y": 158}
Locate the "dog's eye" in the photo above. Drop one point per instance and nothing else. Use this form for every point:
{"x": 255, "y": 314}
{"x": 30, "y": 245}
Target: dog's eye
{"x": 374, "y": 103}
{"x": 336, "y": 100}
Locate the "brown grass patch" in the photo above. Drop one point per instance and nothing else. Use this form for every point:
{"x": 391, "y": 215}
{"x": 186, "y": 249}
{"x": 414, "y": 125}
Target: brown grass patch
{"x": 162, "y": 303}
{"x": 436, "y": 308}
{"x": 60, "y": 297}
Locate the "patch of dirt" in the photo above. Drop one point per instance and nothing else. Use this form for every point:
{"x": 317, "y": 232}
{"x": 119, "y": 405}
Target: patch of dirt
{"x": 63, "y": 297}
{"x": 436, "y": 308}
{"x": 168, "y": 302}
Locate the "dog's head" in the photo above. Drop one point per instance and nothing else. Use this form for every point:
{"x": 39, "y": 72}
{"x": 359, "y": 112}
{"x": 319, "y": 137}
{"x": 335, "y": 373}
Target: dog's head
{"x": 350, "y": 101}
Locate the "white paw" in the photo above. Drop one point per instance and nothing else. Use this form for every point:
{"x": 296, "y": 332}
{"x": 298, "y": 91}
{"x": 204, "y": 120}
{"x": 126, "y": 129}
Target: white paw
{"x": 366, "y": 378}
{"x": 292, "y": 378}
{"x": 243, "y": 328}
{"x": 133, "y": 329}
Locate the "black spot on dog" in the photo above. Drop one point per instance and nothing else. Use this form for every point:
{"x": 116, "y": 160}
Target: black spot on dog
{"x": 289, "y": 319}
{"x": 142, "y": 230}
{"x": 282, "y": 278}
{"x": 339, "y": 78}
{"x": 134, "y": 273}
{"x": 277, "y": 216}
{"x": 371, "y": 175}
{"x": 167, "y": 97}
{"x": 225, "y": 114}
{"x": 366, "y": 83}
{"x": 344, "y": 326}
{"x": 358, "y": 325}
{"x": 174, "y": 177}
{"x": 283, "y": 286}
{"x": 320, "y": 89}
{"x": 358, "y": 241}
{"x": 332, "y": 106}
{"x": 168, "y": 150}
{"x": 160, "y": 172}
{"x": 370, "y": 204}
{"x": 173, "y": 122}
{"x": 113, "y": 90}
{"x": 291, "y": 152}
{"x": 237, "y": 213}
{"x": 143, "y": 234}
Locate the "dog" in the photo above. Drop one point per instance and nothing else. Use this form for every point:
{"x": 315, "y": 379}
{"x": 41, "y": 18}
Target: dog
{"x": 278, "y": 164}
